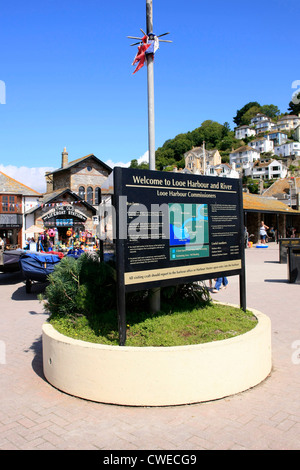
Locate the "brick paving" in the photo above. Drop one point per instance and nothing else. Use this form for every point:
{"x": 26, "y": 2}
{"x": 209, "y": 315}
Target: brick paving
{"x": 36, "y": 416}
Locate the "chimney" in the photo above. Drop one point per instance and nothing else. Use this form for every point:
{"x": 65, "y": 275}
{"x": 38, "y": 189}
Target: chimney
{"x": 49, "y": 182}
{"x": 64, "y": 158}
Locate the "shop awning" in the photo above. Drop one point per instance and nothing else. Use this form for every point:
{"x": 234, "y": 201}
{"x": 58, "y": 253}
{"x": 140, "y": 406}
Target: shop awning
{"x": 34, "y": 229}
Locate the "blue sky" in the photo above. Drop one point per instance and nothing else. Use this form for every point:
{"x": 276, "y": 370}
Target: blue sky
{"x": 67, "y": 70}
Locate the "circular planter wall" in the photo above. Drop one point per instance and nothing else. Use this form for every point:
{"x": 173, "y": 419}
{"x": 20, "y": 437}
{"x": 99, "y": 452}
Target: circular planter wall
{"x": 158, "y": 376}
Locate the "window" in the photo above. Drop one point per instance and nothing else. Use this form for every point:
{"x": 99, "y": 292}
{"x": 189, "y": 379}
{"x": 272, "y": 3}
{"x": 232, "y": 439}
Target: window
{"x": 89, "y": 197}
{"x": 11, "y": 203}
{"x": 97, "y": 196}
{"x": 81, "y": 192}
{"x": 4, "y": 203}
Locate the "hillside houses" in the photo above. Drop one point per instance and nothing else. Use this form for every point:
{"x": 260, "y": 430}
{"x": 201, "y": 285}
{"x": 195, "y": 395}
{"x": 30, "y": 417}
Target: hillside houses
{"x": 263, "y": 124}
{"x": 279, "y": 139}
{"x": 263, "y": 144}
{"x": 243, "y": 159}
{"x": 268, "y": 170}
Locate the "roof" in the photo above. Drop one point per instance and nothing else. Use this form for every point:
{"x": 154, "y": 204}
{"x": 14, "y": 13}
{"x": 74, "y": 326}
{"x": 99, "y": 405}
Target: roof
{"x": 12, "y": 186}
{"x": 257, "y": 203}
{"x": 275, "y": 131}
{"x": 48, "y": 198}
{"x": 260, "y": 139}
{"x": 244, "y": 126}
{"x": 288, "y": 116}
{"x": 280, "y": 187}
{"x": 78, "y": 160}
{"x": 245, "y": 148}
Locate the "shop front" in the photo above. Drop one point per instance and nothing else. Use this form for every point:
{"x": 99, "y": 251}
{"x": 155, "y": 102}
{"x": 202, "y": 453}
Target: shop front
{"x": 66, "y": 227}
{"x": 65, "y": 222}
{"x": 11, "y": 230}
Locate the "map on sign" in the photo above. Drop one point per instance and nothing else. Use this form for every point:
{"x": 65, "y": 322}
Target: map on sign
{"x": 189, "y": 234}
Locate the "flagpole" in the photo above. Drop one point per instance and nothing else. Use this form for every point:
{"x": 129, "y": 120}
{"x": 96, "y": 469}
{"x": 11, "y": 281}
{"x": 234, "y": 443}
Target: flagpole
{"x": 150, "y": 77}
{"x": 155, "y": 293}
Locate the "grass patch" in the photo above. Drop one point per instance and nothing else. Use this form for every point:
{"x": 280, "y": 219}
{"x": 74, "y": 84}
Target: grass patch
{"x": 183, "y": 326}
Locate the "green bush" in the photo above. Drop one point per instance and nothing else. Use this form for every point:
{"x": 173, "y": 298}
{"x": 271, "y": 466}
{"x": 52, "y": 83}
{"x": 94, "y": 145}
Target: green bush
{"x": 87, "y": 286}
{"x": 80, "y": 287}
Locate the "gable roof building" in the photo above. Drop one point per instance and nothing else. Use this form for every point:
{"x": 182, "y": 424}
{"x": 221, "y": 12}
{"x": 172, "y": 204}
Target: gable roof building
{"x": 84, "y": 176}
{"x": 15, "y": 199}
{"x": 69, "y": 204}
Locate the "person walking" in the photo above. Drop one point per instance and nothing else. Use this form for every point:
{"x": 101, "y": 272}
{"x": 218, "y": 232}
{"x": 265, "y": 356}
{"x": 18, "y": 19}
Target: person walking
{"x": 221, "y": 283}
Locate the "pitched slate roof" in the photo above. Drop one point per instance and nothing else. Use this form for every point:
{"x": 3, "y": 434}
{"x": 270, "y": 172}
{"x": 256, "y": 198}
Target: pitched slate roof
{"x": 78, "y": 160}
{"x": 49, "y": 198}
{"x": 257, "y": 203}
{"x": 12, "y": 186}
{"x": 280, "y": 187}
{"x": 244, "y": 148}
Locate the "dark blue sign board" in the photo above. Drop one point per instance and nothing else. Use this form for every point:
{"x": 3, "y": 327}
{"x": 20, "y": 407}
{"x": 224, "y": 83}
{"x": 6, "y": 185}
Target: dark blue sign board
{"x": 174, "y": 228}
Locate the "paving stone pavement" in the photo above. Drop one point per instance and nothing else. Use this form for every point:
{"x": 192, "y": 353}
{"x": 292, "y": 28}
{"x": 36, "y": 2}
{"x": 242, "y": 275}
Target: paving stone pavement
{"x": 36, "y": 416}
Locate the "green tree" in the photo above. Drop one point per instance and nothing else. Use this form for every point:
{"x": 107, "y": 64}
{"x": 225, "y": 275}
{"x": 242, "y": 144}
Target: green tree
{"x": 270, "y": 110}
{"x": 294, "y": 105}
{"x": 249, "y": 114}
{"x": 141, "y": 166}
{"x": 243, "y": 110}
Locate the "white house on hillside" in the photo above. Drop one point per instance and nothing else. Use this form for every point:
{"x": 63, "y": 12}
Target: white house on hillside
{"x": 244, "y": 131}
{"x": 258, "y": 118}
{"x": 243, "y": 158}
{"x": 263, "y": 144}
{"x": 288, "y": 149}
{"x": 224, "y": 170}
{"x": 273, "y": 169}
{"x": 264, "y": 126}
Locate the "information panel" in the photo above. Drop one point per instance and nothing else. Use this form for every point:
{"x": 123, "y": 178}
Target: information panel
{"x": 174, "y": 228}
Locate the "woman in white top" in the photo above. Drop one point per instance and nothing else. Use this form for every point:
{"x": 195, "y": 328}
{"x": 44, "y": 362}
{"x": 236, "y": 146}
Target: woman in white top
{"x": 263, "y": 232}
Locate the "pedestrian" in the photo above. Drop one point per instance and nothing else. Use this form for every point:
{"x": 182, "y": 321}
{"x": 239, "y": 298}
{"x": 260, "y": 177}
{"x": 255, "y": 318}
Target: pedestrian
{"x": 221, "y": 283}
{"x": 1, "y": 243}
{"x": 263, "y": 232}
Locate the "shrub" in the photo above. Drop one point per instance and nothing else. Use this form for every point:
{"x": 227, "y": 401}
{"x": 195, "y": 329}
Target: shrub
{"x": 87, "y": 286}
{"x": 80, "y": 287}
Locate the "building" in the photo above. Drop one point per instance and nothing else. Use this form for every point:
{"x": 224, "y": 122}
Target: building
{"x": 68, "y": 208}
{"x": 273, "y": 212}
{"x": 15, "y": 199}
{"x": 297, "y": 133}
{"x": 223, "y": 170}
{"x": 268, "y": 170}
{"x": 277, "y": 137}
{"x": 258, "y": 118}
{"x": 83, "y": 176}
{"x": 288, "y": 123}
{"x": 264, "y": 126}
{"x": 198, "y": 159}
{"x": 288, "y": 149}
{"x": 243, "y": 158}
{"x": 263, "y": 144}
{"x": 243, "y": 132}
{"x": 286, "y": 190}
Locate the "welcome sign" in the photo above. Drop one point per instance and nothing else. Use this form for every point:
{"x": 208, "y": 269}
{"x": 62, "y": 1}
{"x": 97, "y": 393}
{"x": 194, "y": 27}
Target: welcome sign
{"x": 175, "y": 229}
